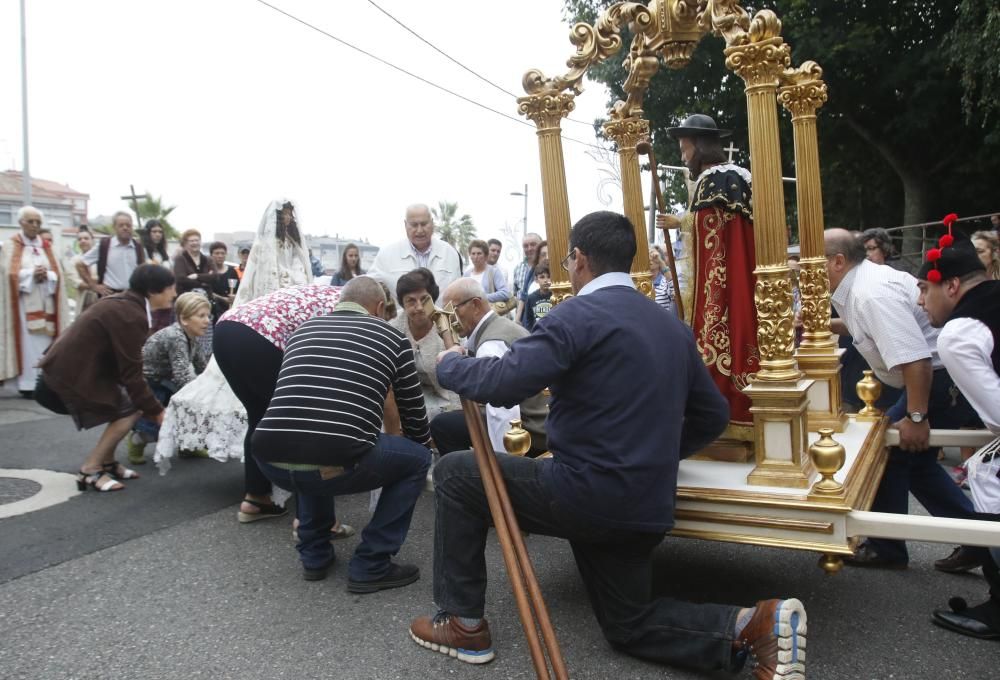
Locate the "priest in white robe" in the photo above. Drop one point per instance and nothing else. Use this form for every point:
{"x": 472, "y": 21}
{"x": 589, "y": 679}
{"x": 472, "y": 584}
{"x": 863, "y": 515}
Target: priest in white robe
{"x": 35, "y": 309}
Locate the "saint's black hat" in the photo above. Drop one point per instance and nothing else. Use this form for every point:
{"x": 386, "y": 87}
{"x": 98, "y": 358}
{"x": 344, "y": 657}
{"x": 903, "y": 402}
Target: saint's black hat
{"x": 698, "y": 125}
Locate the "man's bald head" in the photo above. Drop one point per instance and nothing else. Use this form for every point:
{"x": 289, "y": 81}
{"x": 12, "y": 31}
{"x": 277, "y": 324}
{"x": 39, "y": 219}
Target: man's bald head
{"x": 463, "y": 289}
{"x": 846, "y": 243}
{"x": 367, "y": 292}
{"x": 468, "y": 299}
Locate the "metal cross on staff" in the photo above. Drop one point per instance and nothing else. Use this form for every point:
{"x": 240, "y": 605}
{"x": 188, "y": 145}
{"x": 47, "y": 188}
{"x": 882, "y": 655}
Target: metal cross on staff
{"x": 135, "y": 203}
{"x": 731, "y": 149}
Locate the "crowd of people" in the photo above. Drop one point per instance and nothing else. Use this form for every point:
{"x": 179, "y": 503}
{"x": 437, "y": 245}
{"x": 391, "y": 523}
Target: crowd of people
{"x": 326, "y": 390}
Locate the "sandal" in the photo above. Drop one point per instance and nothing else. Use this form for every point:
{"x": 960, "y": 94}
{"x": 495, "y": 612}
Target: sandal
{"x": 338, "y": 532}
{"x": 92, "y": 480}
{"x": 118, "y": 471}
{"x": 264, "y": 511}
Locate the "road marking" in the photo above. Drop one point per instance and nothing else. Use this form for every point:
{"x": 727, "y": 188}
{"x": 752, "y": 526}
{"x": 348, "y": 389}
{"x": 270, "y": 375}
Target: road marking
{"x": 57, "y": 487}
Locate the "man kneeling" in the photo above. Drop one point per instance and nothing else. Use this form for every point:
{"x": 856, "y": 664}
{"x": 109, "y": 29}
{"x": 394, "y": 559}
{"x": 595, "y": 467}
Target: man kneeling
{"x": 320, "y": 436}
{"x": 611, "y": 485}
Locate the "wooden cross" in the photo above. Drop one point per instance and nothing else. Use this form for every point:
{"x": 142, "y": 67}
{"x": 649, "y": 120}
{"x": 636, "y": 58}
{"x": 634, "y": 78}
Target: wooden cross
{"x": 731, "y": 149}
{"x": 135, "y": 204}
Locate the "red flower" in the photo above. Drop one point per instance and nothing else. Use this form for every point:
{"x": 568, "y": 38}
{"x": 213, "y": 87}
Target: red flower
{"x": 934, "y": 276}
{"x": 948, "y": 219}
{"x": 933, "y": 255}
{"x": 946, "y": 241}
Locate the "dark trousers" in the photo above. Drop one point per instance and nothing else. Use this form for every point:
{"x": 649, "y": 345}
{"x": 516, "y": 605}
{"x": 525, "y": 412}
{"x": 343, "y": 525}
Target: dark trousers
{"x": 919, "y": 472}
{"x": 250, "y": 363}
{"x": 616, "y": 566}
{"x": 147, "y": 428}
{"x": 396, "y": 464}
{"x": 451, "y": 433}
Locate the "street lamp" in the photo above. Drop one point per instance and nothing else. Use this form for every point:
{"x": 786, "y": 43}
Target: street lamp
{"x": 525, "y": 194}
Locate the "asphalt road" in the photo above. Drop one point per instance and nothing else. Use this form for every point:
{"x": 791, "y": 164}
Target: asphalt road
{"x": 160, "y": 581}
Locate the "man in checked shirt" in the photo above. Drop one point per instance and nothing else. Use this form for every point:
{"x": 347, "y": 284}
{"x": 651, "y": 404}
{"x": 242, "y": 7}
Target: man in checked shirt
{"x": 892, "y": 332}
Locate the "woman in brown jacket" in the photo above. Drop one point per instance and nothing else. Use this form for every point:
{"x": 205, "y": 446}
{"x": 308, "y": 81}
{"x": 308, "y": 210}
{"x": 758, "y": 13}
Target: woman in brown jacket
{"x": 109, "y": 387}
{"x": 192, "y": 268}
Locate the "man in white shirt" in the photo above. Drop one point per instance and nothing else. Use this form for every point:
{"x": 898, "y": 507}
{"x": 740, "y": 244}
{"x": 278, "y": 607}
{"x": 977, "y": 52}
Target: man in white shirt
{"x": 487, "y": 335}
{"x": 419, "y": 249}
{"x": 879, "y": 307}
{"x": 116, "y": 258}
{"x": 965, "y": 305}
{"x": 36, "y": 311}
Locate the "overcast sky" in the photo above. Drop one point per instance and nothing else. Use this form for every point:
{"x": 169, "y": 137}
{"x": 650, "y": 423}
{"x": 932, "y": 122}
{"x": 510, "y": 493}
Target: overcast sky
{"x": 220, "y": 106}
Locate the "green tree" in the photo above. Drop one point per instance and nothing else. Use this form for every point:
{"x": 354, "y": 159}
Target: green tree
{"x": 458, "y": 231}
{"x": 151, "y": 208}
{"x": 896, "y": 144}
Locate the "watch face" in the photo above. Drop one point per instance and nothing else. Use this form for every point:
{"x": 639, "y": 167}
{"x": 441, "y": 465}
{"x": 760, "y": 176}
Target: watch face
{"x": 917, "y": 417}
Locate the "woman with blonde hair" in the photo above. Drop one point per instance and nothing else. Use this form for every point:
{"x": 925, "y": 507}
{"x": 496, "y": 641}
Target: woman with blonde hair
{"x": 171, "y": 358}
{"x": 988, "y": 248}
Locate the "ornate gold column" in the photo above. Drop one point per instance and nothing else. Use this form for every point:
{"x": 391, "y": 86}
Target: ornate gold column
{"x": 778, "y": 392}
{"x": 626, "y": 133}
{"x": 818, "y": 356}
{"x": 547, "y": 110}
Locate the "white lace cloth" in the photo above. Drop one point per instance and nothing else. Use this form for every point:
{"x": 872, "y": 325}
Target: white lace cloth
{"x": 205, "y": 414}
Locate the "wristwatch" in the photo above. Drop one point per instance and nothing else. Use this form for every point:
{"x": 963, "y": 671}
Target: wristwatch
{"x": 917, "y": 416}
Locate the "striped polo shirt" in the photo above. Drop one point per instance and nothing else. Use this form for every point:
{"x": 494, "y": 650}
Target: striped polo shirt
{"x": 328, "y": 403}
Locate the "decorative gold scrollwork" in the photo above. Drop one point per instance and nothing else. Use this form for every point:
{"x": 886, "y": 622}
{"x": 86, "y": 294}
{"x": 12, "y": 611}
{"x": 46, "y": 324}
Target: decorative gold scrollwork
{"x": 814, "y": 288}
{"x": 775, "y": 326}
{"x": 803, "y": 90}
{"x": 546, "y": 110}
{"x": 725, "y": 19}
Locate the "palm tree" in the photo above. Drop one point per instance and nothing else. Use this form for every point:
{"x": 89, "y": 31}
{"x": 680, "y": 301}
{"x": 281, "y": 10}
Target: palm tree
{"x": 458, "y": 233}
{"x": 152, "y": 208}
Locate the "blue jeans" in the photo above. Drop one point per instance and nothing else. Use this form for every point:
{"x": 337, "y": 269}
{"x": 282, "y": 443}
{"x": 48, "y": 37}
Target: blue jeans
{"x": 919, "y": 472}
{"x": 616, "y": 566}
{"x": 396, "y": 464}
{"x": 147, "y": 428}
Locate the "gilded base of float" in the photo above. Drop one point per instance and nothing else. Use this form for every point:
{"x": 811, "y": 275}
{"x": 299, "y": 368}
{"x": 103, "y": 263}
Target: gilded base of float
{"x": 714, "y": 502}
{"x": 726, "y": 450}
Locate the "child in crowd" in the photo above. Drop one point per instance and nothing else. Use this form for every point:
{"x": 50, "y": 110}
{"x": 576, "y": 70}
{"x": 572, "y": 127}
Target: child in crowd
{"x": 539, "y": 303}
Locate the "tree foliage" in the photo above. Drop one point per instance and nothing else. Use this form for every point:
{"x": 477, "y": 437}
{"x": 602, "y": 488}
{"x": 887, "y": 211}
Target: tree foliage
{"x": 151, "y": 208}
{"x": 910, "y": 130}
{"x": 458, "y": 231}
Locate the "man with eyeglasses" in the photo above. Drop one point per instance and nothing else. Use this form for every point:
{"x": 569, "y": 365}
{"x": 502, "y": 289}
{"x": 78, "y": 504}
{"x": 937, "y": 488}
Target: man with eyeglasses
{"x": 487, "y": 335}
{"x": 419, "y": 249}
{"x": 620, "y": 420}
{"x": 35, "y": 311}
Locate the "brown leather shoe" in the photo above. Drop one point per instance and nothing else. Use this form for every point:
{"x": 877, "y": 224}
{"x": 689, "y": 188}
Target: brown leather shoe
{"x": 775, "y": 640}
{"x": 961, "y": 559}
{"x": 444, "y": 633}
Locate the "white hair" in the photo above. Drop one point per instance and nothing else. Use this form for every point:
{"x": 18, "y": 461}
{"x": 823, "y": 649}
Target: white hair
{"x": 466, "y": 288}
{"x": 29, "y": 208}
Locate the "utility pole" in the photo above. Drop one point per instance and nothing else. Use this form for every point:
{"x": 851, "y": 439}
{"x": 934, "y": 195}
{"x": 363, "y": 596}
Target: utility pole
{"x": 26, "y": 172}
{"x": 524, "y": 232}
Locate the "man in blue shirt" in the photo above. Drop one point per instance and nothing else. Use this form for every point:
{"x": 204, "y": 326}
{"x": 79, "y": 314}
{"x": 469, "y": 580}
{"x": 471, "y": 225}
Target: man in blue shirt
{"x": 611, "y": 485}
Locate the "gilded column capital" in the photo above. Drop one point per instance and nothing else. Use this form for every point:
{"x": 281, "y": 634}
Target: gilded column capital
{"x": 802, "y": 90}
{"x": 627, "y": 132}
{"x": 759, "y": 64}
{"x": 546, "y": 109}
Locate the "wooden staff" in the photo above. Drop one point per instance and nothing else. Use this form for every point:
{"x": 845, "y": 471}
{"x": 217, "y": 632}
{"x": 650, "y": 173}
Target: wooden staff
{"x": 646, "y": 148}
{"x": 527, "y": 593}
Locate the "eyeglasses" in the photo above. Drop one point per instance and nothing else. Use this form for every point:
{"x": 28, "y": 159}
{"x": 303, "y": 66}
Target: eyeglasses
{"x": 565, "y": 261}
{"x": 455, "y": 307}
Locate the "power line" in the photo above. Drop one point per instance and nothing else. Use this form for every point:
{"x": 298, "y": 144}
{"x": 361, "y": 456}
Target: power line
{"x": 413, "y": 75}
{"x": 456, "y": 61}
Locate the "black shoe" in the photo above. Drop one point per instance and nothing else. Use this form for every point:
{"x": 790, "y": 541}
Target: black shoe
{"x": 27, "y": 394}
{"x": 318, "y": 574}
{"x": 965, "y": 625}
{"x": 865, "y": 556}
{"x": 399, "y": 575}
{"x": 961, "y": 559}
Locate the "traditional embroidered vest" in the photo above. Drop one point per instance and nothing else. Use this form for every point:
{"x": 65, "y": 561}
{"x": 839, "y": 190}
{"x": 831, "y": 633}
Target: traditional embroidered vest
{"x": 104, "y": 247}
{"x": 982, "y": 303}
{"x": 533, "y": 409}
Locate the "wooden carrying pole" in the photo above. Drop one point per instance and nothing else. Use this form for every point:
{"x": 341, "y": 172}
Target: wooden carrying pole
{"x": 527, "y": 593}
{"x": 646, "y": 148}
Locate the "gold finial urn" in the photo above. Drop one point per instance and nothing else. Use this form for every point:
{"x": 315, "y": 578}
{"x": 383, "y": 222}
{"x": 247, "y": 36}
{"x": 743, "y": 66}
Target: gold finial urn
{"x": 869, "y": 390}
{"x": 517, "y": 440}
{"x": 828, "y": 457}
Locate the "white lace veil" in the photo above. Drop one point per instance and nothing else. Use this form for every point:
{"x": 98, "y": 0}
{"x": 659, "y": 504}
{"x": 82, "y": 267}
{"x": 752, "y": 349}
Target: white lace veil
{"x": 267, "y": 268}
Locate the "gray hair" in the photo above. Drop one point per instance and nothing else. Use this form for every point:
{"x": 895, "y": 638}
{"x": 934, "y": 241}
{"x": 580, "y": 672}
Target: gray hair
{"x": 24, "y": 210}
{"x": 363, "y": 290}
{"x": 120, "y": 213}
{"x": 466, "y": 288}
{"x": 882, "y": 240}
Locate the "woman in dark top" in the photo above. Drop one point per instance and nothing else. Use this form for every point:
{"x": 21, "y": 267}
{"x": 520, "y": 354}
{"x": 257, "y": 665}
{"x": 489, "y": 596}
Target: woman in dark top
{"x": 350, "y": 266}
{"x": 226, "y": 283}
{"x": 154, "y": 242}
{"x": 109, "y": 386}
{"x": 192, "y": 269}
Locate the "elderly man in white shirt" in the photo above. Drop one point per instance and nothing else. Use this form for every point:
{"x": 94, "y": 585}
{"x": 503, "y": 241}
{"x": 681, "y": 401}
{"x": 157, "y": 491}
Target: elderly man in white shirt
{"x": 419, "y": 249}
{"x": 890, "y": 330}
{"x": 965, "y": 304}
{"x": 116, "y": 258}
